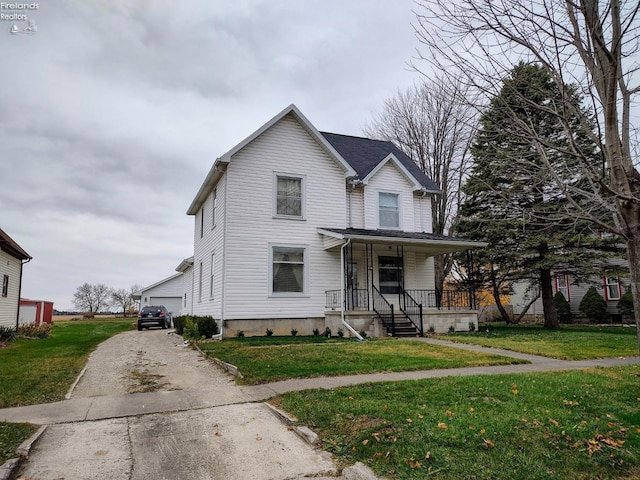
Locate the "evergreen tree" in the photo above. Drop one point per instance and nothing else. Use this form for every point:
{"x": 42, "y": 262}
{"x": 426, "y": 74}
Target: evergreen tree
{"x": 593, "y": 306}
{"x": 511, "y": 200}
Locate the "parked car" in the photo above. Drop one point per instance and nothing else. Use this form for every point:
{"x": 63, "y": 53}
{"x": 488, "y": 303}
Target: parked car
{"x": 154, "y": 315}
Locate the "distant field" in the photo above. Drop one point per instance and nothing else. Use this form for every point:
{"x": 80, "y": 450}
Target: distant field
{"x": 79, "y": 316}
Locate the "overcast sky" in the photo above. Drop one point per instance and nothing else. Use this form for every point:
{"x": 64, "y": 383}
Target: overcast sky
{"x": 113, "y": 112}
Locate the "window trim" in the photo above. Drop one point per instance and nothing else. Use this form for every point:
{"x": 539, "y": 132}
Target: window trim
{"x": 214, "y": 202}
{"x": 212, "y": 276}
{"x": 303, "y": 195}
{"x": 566, "y": 281}
{"x": 608, "y": 283}
{"x": 200, "y": 284}
{"x": 305, "y": 272}
{"x": 399, "y": 197}
{"x": 5, "y": 285}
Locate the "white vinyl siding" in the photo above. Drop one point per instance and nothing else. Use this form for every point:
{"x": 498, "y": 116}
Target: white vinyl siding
{"x": 10, "y": 302}
{"x": 355, "y": 206}
{"x": 253, "y": 228}
{"x": 422, "y": 214}
{"x": 390, "y": 180}
{"x": 169, "y": 288}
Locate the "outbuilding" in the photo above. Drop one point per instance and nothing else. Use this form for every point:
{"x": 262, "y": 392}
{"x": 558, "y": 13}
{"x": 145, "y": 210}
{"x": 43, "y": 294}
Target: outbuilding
{"x": 35, "y": 311}
{"x": 167, "y": 292}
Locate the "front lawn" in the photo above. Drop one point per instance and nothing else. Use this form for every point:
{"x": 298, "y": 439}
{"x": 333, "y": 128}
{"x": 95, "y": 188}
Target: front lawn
{"x": 42, "y": 370}
{"x": 568, "y": 343}
{"x": 11, "y": 436}
{"x": 561, "y": 425}
{"x": 268, "y": 359}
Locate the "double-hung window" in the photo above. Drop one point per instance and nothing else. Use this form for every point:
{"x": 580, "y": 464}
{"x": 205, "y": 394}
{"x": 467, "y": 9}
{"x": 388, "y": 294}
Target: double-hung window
{"x": 212, "y": 276}
{"x": 289, "y": 196}
{"x": 288, "y": 270}
{"x": 562, "y": 285}
{"x": 5, "y": 285}
{"x": 611, "y": 288}
{"x": 388, "y": 210}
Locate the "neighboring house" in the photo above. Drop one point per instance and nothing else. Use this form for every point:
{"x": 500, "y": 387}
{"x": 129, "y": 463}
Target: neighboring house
{"x": 610, "y": 287}
{"x": 291, "y": 221}
{"x": 167, "y": 292}
{"x": 12, "y": 258}
{"x": 35, "y": 311}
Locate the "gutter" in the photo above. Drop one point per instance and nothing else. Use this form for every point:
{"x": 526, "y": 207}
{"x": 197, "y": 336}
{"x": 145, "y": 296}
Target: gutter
{"x": 342, "y": 289}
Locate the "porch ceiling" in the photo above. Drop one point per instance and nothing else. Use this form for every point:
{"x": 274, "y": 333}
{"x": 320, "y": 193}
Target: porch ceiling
{"x": 436, "y": 244}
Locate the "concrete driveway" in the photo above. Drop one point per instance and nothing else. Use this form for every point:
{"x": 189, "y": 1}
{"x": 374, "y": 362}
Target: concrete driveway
{"x": 109, "y": 435}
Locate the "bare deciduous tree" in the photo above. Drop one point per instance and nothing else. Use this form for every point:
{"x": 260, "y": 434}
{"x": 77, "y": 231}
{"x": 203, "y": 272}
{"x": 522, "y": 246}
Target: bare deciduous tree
{"x": 92, "y": 298}
{"x": 433, "y": 124}
{"x": 591, "y": 44}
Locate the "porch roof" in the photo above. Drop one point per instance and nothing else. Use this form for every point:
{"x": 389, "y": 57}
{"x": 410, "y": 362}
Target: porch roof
{"x": 438, "y": 243}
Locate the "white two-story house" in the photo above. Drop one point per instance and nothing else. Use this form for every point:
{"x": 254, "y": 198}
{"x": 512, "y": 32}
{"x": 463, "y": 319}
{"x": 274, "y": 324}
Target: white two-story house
{"x": 297, "y": 229}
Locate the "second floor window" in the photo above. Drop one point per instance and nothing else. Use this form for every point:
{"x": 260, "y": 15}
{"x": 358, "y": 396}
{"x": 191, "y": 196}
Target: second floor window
{"x": 389, "y": 210}
{"x": 611, "y": 288}
{"x": 289, "y": 196}
{"x": 214, "y": 201}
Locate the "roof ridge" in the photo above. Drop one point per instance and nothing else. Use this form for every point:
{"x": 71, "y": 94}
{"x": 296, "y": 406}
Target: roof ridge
{"x": 357, "y": 136}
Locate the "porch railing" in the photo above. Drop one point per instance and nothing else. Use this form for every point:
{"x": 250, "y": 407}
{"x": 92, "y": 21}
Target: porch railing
{"x": 413, "y": 310}
{"x": 355, "y": 298}
{"x": 443, "y": 299}
{"x": 384, "y": 310}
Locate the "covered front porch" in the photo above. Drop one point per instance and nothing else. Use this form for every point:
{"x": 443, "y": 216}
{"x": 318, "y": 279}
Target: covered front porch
{"x": 387, "y": 276}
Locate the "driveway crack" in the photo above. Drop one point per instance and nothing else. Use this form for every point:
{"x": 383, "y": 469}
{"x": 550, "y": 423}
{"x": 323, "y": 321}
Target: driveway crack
{"x": 130, "y": 445}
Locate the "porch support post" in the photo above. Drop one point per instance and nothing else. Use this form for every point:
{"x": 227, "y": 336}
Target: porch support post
{"x": 472, "y": 293}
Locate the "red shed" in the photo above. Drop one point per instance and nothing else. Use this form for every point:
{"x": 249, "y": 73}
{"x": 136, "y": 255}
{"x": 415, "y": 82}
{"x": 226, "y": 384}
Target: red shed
{"x": 35, "y": 311}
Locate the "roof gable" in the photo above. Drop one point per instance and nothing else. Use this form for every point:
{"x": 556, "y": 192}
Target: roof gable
{"x": 391, "y": 159}
{"x": 292, "y": 110}
{"x": 366, "y": 155}
{"x": 9, "y": 245}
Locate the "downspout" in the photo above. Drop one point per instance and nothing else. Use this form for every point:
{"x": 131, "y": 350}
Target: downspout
{"x": 223, "y": 298}
{"x": 22, "y": 264}
{"x": 342, "y": 290}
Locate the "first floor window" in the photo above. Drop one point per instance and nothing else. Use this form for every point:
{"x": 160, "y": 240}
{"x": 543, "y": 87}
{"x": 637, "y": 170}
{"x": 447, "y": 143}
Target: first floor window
{"x": 213, "y": 270}
{"x": 389, "y": 210}
{"x": 200, "y": 283}
{"x": 611, "y": 288}
{"x": 289, "y": 196}
{"x": 5, "y": 285}
{"x": 562, "y": 285}
{"x": 185, "y": 299}
{"x": 288, "y": 269}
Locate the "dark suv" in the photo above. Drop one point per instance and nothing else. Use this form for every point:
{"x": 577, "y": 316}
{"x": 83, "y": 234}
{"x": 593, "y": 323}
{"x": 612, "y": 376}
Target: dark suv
{"x": 154, "y": 315}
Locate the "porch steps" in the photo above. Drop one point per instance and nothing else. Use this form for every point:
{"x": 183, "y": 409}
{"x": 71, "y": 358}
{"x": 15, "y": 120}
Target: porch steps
{"x": 404, "y": 327}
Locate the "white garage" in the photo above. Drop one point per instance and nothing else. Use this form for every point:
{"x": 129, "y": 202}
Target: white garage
{"x": 167, "y": 292}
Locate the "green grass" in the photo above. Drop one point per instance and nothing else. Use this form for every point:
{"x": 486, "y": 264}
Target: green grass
{"x": 561, "y": 425}
{"x": 42, "y": 370}
{"x": 268, "y": 359}
{"x": 568, "y": 343}
{"x": 11, "y": 436}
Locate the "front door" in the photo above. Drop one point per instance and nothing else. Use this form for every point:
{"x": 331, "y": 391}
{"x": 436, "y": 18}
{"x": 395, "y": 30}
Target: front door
{"x": 390, "y": 277}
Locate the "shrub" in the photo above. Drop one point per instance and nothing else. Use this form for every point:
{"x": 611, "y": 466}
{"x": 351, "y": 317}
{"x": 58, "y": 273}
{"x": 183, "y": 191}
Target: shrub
{"x": 30, "y": 330}
{"x": 7, "y": 334}
{"x": 363, "y": 334}
{"x": 327, "y": 332}
{"x": 269, "y": 332}
{"x": 625, "y": 304}
{"x": 431, "y": 329}
{"x": 316, "y": 332}
{"x": 593, "y": 306}
{"x": 452, "y": 329}
{"x": 178, "y": 323}
{"x": 294, "y": 332}
{"x": 472, "y": 326}
{"x": 240, "y": 334}
{"x": 563, "y": 308}
{"x": 207, "y": 326}
{"x": 340, "y": 332}
{"x": 190, "y": 330}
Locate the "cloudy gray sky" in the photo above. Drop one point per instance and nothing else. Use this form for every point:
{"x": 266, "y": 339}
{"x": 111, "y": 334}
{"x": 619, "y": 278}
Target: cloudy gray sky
{"x": 113, "y": 112}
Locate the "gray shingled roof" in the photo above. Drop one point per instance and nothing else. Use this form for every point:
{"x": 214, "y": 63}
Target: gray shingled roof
{"x": 392, "y": 234}
{"x": 9, "y": 245}
{"x": 363, "y": 154}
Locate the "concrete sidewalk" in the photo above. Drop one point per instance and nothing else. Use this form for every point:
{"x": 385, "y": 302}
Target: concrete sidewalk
{"x": 119, "y": 406}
